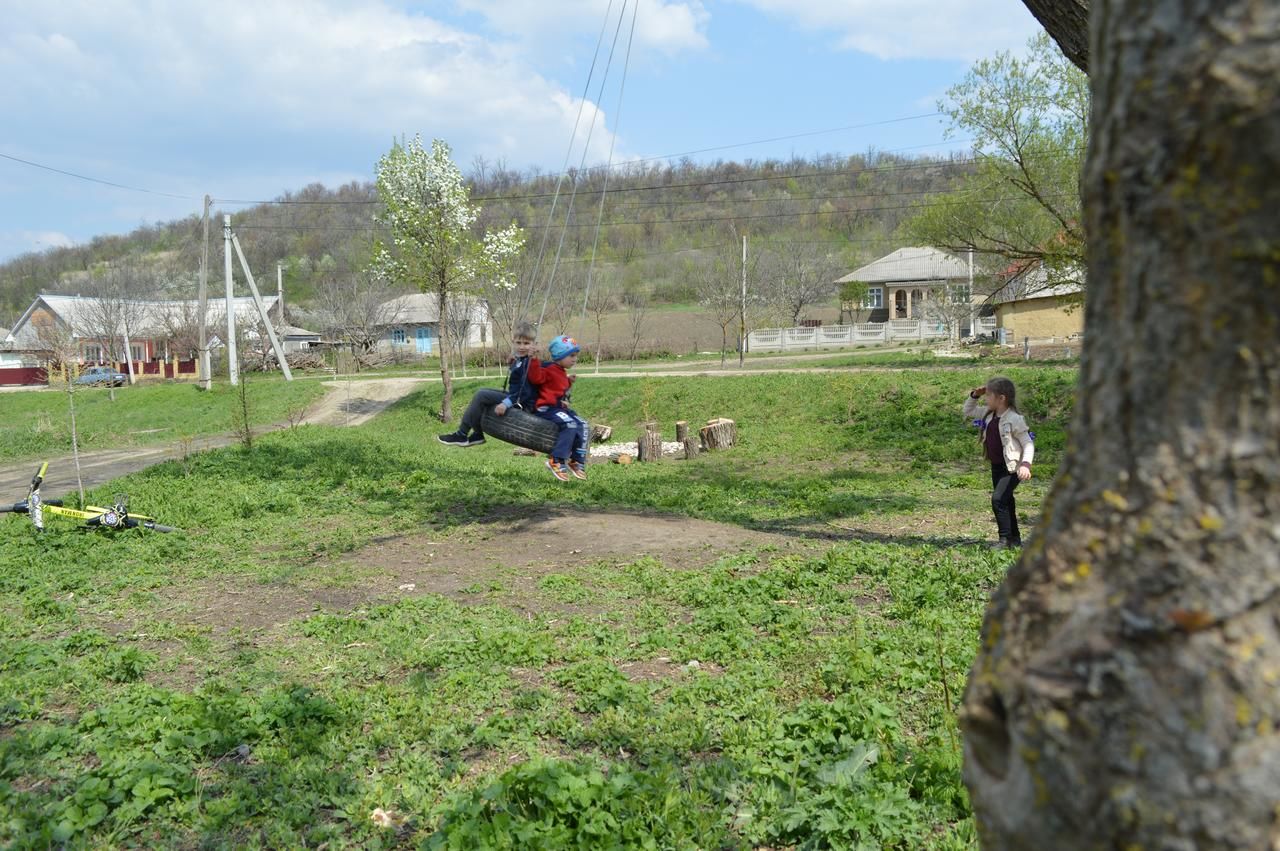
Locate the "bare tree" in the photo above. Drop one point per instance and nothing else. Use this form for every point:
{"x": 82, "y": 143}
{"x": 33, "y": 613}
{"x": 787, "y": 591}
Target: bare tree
{"x": 637, "y": 305}
{"x": 797, "y": 276}
{"x": 358, "y": 308}
{"x": 599, "y": 303}
{"x": 718, "y": 280}
{"x": 1124, "y": 693}
{"x": 63, "y": 351}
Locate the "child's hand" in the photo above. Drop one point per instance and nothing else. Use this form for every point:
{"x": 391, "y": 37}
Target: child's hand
{"x": 500, "y": 410}
{"x": 1024, "y": 471}
{"x": 978, "y": 392}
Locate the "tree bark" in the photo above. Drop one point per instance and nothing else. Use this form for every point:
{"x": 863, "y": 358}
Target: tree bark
{"x": 649, "y": 445}
{"x": 719, "y": 433}
{"x": 1125, "y": 691}
{"x": 442, "y": 293}
{"x": 1067, "y": 21}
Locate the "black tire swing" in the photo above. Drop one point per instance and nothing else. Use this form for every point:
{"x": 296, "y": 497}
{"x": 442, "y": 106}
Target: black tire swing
{"x": 520, "y": 428}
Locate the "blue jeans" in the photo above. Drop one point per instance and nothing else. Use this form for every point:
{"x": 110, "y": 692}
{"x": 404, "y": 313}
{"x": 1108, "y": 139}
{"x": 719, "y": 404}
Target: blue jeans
{"x": 574, "y": 434}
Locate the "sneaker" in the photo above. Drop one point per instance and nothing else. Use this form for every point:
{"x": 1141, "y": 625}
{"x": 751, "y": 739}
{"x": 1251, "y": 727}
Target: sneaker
{"x": 476, "y": 438}
{"x": 558, "y": 470}
{"x": 578, "y": 469}
{"x": 454, "y": 438}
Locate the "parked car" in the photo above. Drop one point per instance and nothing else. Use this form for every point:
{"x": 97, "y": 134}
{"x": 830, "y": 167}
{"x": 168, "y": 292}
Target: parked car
{"x": 102, "y": 375}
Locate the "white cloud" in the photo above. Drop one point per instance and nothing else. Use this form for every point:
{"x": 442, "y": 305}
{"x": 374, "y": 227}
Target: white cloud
{"x": 668, "y": 27}
{"x": 18, "y": 242}
{"x": 158, "y": 79}
{"x": 913, "y": 29}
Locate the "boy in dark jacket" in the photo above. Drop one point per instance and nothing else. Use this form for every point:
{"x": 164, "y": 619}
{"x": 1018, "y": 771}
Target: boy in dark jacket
{"x": 519, "y": 392}
{"x": 569, "y": 456}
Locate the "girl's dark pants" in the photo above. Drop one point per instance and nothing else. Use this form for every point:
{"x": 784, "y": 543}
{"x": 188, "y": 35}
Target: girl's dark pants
{"x": 1002, "y": 503}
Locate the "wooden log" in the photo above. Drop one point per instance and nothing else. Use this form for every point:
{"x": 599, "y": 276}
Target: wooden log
{"x": 691, "y": 447}
{"x": 622, "y": 458}
{"x": 600, "y": 433}
{"x": 649, "y": 445}
{"x": 719, "y": 433}
{"x": 682, "y": 430}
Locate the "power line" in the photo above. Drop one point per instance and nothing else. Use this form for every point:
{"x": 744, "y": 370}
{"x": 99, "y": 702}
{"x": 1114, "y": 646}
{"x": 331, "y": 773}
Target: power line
{"x": 96, "y": 179}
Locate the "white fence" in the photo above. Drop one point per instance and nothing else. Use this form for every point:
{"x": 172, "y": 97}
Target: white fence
{"x": 861, "y": 334}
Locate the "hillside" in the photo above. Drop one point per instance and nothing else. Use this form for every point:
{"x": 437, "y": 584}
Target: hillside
{"x": 656, "y": 219}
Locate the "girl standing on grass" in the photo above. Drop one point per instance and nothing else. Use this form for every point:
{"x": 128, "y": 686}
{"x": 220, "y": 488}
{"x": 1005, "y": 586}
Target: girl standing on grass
{"x": 1009, "y": 447}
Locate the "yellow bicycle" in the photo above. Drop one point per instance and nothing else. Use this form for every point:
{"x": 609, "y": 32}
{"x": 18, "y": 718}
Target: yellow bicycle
{"x": 117, "y": 516}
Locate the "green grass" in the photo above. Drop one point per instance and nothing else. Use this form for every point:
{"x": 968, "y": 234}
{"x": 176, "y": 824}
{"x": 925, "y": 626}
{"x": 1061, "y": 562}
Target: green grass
{"x": 820, "y": 714}
{"x": 38, "y": 423}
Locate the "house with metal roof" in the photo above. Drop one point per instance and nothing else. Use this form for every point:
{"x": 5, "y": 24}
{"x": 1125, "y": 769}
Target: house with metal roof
{"x": 1035, "y": 304}
{"x": 412, "y": 323}
{"x": 901, "y": 283}
{"x": 154, "y": 328}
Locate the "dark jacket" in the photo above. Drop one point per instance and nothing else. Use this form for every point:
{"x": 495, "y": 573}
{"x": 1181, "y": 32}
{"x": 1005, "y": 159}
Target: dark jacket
{"x": 520, "y": 389}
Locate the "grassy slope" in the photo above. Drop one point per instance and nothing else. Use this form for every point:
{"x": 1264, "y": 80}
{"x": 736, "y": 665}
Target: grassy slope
{"x": 38, "y": 423}
{"x": 821, "y": 719}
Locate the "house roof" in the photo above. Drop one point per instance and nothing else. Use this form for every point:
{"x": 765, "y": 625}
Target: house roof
{"x": 909, "y": 265}
{"x": 295, "y": 331}
{"x": 78, "y": 312}
{"x": 1033, "y": 281}
{"x": 424, "y": 308}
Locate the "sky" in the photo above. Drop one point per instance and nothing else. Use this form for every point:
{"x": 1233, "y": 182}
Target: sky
{"x": 246, "y": 100}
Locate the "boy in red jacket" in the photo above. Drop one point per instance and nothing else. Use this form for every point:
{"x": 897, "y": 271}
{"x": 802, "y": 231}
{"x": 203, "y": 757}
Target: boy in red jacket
{"x": 569, "y": 455}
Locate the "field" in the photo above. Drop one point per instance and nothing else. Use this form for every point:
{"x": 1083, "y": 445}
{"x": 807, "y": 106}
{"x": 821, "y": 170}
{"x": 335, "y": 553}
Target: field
{"x": 363, "y": 639}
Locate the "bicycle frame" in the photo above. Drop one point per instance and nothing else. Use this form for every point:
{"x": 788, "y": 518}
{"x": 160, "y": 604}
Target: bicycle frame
{"x": 93, "y": 516}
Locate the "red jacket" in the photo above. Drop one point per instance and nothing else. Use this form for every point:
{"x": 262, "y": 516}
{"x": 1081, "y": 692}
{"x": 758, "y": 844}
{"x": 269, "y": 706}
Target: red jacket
{"x": 553, "y": 383}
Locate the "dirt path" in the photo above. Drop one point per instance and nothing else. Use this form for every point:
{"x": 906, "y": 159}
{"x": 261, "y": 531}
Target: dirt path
{"x": 347, "y": 403}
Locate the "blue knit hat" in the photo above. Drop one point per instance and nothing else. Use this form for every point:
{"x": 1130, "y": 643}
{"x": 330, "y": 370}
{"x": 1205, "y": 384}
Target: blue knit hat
{"x": 563, "y": 346}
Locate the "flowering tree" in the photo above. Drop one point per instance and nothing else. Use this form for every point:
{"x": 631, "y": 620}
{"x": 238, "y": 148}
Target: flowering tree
{"x": 429, "y": 213}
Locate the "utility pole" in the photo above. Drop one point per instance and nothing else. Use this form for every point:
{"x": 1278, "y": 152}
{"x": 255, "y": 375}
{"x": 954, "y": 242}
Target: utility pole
{"x": 202, "y": 346}
{"x": 969, "y": 300}
{"x": 742, "y": 315}
{"x": 233, "y": 365}
{"x": 280, "y": 291}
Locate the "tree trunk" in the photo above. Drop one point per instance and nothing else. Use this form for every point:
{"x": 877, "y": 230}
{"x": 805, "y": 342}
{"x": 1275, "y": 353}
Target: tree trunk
{"x": 1125, "y": 691}
{"x": 442, "y": 292}
{"x": 1068, "y": 22}
{"x": 649, "y": 445}
{"x": 719, "y": 433}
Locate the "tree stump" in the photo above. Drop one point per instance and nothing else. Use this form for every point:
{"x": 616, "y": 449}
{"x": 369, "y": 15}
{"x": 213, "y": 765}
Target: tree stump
{"x": 719, "y": 433}
{"x": 682, "y": 430}
{"x": 691, "y": 447}
{"x": 600, "y": 433}
{"x": 649, "y": 445}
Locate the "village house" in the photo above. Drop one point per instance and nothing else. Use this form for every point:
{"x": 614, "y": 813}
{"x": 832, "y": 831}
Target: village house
{"x": 1033, "y": 305}
{"x": 901, "y": 285}
{"x": 157, "y": 331}
{"x": 412, "y": 323}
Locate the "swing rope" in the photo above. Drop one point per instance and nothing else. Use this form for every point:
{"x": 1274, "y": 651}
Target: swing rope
{"x": 573, "y": 193}
{"x": 564, "y": 169}
{"x": 595, "y": 242}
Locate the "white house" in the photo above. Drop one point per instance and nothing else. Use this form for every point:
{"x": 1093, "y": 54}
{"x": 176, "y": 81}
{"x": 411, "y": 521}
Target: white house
{"x": 153, "y": 325}
{"x": 900, "y": 284}
{"x": 413, "y": 323}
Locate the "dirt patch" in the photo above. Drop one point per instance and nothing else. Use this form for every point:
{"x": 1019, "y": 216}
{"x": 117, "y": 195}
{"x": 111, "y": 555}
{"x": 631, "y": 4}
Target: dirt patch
{"x": 511, "y": 555}
{"x": 516, "y": 552}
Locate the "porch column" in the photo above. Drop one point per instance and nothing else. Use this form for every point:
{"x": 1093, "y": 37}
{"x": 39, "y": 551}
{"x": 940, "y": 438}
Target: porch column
{"x": 910, "y": 315}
